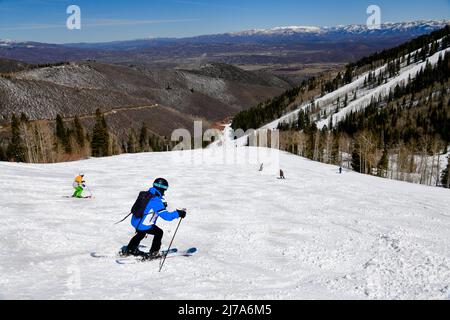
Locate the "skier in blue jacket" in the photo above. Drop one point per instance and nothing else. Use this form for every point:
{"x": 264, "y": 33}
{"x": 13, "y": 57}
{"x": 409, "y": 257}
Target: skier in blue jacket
{"x": 146, "y": 225}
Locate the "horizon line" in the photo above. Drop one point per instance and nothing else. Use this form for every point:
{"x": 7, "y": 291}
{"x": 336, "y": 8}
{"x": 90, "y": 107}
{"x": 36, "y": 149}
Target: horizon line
{"x": 191, "y": 36}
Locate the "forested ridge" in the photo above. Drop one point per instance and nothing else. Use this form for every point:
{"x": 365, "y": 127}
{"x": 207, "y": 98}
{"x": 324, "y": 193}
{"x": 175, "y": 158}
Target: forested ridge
{"x": 403, "y": 135}
{"x": 62, "y": 140}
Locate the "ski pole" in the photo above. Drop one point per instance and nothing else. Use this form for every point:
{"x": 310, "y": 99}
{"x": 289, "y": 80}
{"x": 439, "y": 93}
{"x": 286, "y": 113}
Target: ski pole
{"x": 123, "y": 219}
{"x": 87, "y": 188}
{"x": 170, "y": 246}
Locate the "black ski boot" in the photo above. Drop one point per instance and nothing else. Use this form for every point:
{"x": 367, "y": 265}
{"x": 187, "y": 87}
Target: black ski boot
{"x": 153, "y": 256}
{"x": 135, "y": 252}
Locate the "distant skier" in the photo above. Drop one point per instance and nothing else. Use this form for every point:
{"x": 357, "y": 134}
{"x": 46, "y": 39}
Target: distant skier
{"x": 340, "y": 170}
{"x": 282, "y": 177}
{"x": 146, "y": 225}
{"x": 261, "y": 168}
{"x": 79, "y": 184}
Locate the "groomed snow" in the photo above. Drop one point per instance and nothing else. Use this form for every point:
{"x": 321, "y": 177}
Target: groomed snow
{"x": 316, "y": 235}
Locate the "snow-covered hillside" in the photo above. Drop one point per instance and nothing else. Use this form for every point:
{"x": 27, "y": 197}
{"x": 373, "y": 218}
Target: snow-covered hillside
{"x": 317, "y": 234}
{"x": 363, "y": 94}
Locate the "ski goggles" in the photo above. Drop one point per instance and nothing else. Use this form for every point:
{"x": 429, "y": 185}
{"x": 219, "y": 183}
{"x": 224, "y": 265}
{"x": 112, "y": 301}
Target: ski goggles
{"x": 157, "y": 185}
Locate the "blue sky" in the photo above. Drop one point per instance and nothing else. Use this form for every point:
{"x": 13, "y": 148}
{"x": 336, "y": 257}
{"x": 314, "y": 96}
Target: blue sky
{"x": 108, "y": 20}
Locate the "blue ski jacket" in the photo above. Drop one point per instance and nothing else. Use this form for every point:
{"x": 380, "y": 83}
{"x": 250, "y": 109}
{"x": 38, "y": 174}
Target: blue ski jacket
{"x": 152, "y": 212}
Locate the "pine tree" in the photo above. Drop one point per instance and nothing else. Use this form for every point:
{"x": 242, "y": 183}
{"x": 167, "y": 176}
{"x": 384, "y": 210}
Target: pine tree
{"x": 60, "y": 129}
{"x": 383, "y": 164}
{"x": 356, "y": 159}
{"x": 335, "y": 151}
{"x": 100, "y": 136}
{"x": 3, "y": 156}
{"x": 155, "y": 144}
{"x": 106, "y": 138}
{"x": 16, "y": 148}
{"x": 424, "y": 53}
{"x": 132, "y": 146}
{"x": 79, "y": 132}
{"x": 348, "y": 76}
{"x": 301, "y": 122}
{"x": 143, "y": 138}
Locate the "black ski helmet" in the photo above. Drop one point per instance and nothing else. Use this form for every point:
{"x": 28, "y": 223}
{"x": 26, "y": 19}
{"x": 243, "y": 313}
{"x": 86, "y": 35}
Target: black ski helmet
{"x": 161, "y": 185}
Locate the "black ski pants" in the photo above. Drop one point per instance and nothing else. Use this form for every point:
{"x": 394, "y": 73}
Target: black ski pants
{"x": 157, "y": 234}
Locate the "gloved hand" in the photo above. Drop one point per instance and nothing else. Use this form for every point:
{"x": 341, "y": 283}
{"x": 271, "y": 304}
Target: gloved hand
{"x": 83, "y": 185}
{"x": 165, "y": 204}
{"x": 182, "y": 214}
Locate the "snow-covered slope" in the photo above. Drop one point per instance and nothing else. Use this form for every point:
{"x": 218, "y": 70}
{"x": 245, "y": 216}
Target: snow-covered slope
{"x": 317, "y": 234}
{"x": 364, "y": 95}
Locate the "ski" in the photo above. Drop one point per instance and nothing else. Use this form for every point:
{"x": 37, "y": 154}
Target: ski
{"x": 135, "y": 260}
{"x": 70, "y": 197}
{"x": 119, "y": 254}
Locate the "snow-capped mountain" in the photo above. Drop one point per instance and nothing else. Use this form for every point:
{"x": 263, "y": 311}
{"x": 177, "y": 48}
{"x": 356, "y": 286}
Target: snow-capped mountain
{"x": 412, "y": 27}
{"x": 13, "y": 44}
{"x": 280, "y": 31}
{"x": 7, "y": 42}
{"x": 354, "y": 29}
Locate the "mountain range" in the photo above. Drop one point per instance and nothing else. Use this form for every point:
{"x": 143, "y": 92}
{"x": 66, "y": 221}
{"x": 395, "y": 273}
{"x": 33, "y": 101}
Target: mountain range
{"x": 273, "y": 49}
{"x": 413, "y": 27}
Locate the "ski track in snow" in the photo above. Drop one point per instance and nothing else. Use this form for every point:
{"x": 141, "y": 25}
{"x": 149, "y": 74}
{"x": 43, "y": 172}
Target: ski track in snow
{"x": 316, "y": 235}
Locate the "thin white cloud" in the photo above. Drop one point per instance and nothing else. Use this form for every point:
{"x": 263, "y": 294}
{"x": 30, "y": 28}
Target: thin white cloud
{"x": 31, "y": 27}
{"x": 96, "y": 23}
{"x": 115, "y": 22}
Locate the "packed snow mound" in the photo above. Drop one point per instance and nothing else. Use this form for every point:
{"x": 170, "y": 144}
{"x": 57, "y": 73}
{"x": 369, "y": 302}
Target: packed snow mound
{"x": 316, "y": 235}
